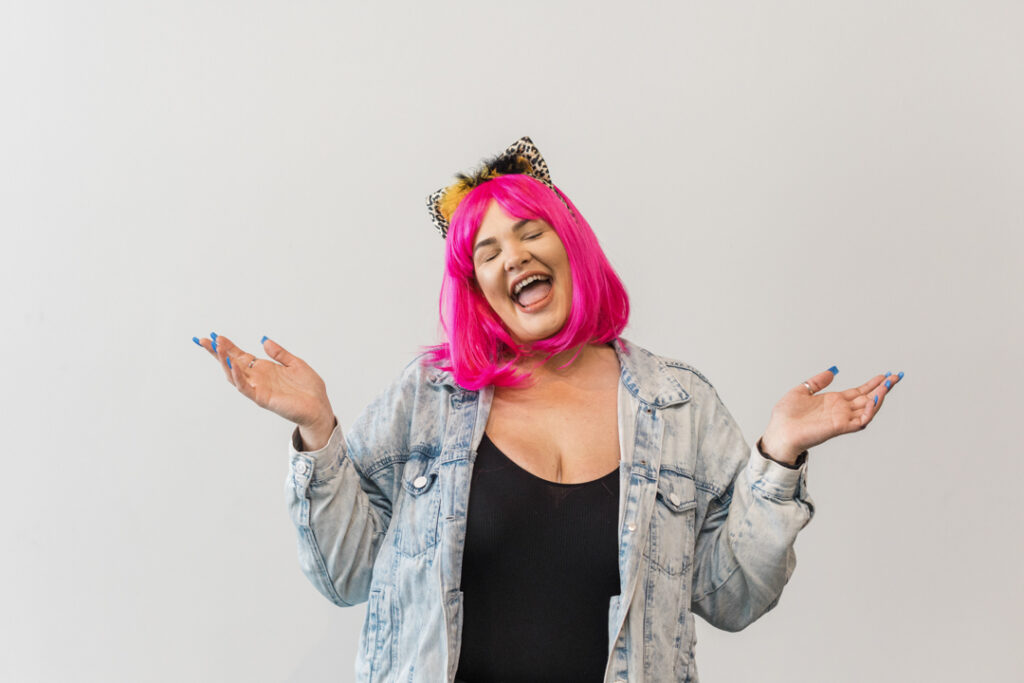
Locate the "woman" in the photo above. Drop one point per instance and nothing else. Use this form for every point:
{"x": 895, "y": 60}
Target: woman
{"x": 613, "y": 495}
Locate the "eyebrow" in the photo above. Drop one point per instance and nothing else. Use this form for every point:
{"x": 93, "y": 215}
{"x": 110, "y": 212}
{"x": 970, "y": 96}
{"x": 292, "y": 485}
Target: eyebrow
{"x": 490, "y": 240}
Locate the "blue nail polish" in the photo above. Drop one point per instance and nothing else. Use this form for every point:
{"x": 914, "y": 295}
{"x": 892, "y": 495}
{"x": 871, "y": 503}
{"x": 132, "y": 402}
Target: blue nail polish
{"x": 196, "y": 340}
{"x": 213, "y": 335}
{"x": 834, "y": 370}
{"x": 876, "y": 399}
{"x": 887, "y": 374}
{"x": 264, "y": 339}
{"x": 900, "y": 375}
{"x": 887, "y": 385}
{"x": 229, "y": 361}
{"x": 214, "y": 344}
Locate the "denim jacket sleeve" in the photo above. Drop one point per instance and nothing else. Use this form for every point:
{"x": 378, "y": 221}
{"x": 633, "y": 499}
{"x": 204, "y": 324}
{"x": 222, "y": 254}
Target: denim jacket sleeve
{"x": 744, "y": 553}
{"x": 341, "y": 517}
{"x": 341, "y": 497}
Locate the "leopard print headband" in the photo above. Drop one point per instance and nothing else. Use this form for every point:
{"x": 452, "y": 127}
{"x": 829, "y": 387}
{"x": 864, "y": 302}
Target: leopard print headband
{"x": 522, "y": 156}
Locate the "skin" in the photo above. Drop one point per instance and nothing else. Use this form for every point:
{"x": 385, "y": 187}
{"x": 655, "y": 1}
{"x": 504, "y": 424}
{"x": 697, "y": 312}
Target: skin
{"x": 562, "y": 425}
{"x": 507, "y": 248}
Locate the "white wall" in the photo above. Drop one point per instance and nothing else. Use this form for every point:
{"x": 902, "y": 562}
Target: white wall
{"x": 782, "y": 186}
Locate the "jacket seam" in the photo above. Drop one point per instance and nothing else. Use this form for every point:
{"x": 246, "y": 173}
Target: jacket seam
{"x": 720, "y": 585}
{"x": 321, "y": 564}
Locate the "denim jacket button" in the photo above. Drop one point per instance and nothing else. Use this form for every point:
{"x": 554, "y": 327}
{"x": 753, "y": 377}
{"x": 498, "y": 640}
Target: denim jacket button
{"x": 301, "y": 467}
{"x": 419, "y": 482}
{"x": 631, "y": 526}
{"x": 674, "y": 498}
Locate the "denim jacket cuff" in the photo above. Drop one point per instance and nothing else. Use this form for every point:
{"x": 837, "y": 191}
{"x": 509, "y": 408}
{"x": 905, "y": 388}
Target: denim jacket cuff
{"x": 317, "y": 465}
{"x": 774, "y": 479}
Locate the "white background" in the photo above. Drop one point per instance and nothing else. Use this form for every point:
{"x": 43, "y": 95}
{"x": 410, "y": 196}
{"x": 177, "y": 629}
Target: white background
{"x": 782, "y": 187}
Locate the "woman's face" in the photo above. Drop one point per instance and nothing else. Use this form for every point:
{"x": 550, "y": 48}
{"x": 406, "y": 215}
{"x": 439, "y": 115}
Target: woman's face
{"x": 523, "y": 271}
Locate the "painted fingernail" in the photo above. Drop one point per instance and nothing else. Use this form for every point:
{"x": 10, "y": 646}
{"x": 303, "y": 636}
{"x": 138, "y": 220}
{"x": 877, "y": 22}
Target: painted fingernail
{"x": 887, "y": 385}
{"x": 196, "y": 340}
{"x": 229, "y": 361}
{"x": 214, "y": 344}
{"x": 264, "y": 339}
{"x": 900, "y": 375}
{"x": 876, "y": 399}
{"x": 834, "y": 370}
{"x": 213, "y": 335}
{"x": 887, "y": 374}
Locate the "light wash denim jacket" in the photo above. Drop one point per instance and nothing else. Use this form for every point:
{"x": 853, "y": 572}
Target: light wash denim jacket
{"x": 706, "y": 524}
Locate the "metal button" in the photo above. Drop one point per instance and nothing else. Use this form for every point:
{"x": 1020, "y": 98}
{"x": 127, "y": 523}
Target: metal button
{"x": 674, "y": 499}
{"x": 631, "y": 527}
{"x": 420, "y": 482}
{"x": 301, "y": 467}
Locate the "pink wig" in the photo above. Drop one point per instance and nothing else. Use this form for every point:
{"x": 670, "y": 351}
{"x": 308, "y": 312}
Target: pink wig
{"x": 479, "y": 350}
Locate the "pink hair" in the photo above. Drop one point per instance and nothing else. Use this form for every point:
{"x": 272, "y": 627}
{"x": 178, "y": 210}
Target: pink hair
{"x": 479, "y": 350}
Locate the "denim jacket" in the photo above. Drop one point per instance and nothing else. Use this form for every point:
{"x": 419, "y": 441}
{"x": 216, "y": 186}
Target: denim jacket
{"x": 706, "y": 524}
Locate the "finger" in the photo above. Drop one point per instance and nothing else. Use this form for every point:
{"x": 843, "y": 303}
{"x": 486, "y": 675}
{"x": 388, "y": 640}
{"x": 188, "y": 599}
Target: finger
{"x": 877, "y": 396}
{"x": 864, "y": 389}
{"x": 870, "y": 385}
{"x": 226, "y": 352}
{"x": 207, "y": 344}
{"x": 278, "y": 353}
{"x": 227, "y": 345}
{"x": 242, "y": 377}
{"x": 822, "y": 379}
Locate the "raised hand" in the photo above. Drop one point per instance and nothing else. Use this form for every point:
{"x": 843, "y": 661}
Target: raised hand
{"x": 288, "y": 387}
{"x": 804, "y": 418}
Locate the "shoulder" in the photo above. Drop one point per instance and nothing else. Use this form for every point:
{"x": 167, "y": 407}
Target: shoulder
{"x": 716, "y": 449}
{"x": 663, "y": 376}
{"x": 408, "y": 414}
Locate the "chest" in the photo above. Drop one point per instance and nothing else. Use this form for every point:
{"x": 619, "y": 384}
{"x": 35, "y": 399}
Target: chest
{"x": 565, "y": 434}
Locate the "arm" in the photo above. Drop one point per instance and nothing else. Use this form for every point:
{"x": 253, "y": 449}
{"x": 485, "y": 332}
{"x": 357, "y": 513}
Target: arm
{"x": 744, "y": 554}
{"x": 745, "y": 546}
{"x": 341, "y": 517}
{"x": 340, "y": 509}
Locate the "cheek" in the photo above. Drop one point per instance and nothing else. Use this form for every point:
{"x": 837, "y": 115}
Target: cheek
{"x": 489, "y": 287}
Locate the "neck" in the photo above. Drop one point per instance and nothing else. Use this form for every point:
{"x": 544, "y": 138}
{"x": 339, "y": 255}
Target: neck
{"x": 583, "y": 359}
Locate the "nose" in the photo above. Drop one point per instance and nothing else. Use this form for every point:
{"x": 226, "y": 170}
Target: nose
{"x": 516, "y": 256}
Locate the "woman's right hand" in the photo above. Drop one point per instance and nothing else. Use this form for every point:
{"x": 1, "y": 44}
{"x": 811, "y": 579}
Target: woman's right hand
{"x": 288, "y": 387}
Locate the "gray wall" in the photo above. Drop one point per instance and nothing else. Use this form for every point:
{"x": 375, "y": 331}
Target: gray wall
{"x": 782, "y": 186}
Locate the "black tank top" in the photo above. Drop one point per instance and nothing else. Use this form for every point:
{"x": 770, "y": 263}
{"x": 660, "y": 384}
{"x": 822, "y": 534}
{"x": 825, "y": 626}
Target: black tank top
{"x": 540, "y": 565}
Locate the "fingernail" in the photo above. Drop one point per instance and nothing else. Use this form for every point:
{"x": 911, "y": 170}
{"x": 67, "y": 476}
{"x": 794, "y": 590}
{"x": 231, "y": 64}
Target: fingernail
{"x": 887, "y": 374}
{"x": 196, "y": 340}
{"x": 834, "y": 370}
{"x": 264, "y": 339}
{"x": 213, "y": 335}
{"x": 214, "y": 346}
{"x": 900, "y": 375}
{"x": 887, "y": 385}
{"x": 229, "y": 361}
{"x": 876, "y": 399}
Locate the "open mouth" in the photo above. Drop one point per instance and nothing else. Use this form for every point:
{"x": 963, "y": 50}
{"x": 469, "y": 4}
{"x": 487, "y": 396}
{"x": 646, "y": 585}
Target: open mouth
{"x": 532, "y": 292}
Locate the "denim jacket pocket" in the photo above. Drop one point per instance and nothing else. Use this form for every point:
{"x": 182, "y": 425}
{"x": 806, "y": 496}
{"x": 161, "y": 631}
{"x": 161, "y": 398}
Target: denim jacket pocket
{"x": 416, "y": 530}
{"x": 672, "y": 523}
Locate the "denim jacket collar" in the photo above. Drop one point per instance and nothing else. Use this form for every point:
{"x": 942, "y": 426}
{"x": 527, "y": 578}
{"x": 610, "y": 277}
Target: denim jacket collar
{"x": 643, "y": 374}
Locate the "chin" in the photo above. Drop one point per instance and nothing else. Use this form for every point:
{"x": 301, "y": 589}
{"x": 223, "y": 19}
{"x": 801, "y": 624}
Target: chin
{"x": 536, "y": 334}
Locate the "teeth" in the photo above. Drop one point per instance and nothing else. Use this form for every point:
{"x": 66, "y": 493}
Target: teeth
{"x": 519, "y": 286}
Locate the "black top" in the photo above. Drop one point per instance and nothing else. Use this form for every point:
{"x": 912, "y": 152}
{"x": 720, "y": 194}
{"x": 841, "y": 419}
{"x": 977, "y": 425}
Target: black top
{"x": 540, "y": 566}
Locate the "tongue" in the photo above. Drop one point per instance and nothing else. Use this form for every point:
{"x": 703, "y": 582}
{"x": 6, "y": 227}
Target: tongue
{"x": 531, "y": 294}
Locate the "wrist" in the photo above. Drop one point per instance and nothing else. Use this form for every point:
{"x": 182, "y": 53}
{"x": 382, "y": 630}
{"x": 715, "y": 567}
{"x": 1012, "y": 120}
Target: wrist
{"x": 316, "y": 435}
{"x": 787, "y": 457}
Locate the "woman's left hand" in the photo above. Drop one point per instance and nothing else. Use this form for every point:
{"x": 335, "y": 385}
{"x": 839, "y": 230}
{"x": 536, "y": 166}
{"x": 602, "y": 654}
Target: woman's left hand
{"x": 803, "y": 418}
